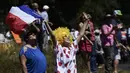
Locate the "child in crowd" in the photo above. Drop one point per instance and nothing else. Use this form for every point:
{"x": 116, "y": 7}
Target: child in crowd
{"x": 99, "y": 49}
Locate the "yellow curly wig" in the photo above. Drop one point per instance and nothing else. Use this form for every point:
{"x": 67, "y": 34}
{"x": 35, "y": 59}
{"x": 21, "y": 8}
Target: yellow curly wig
{"x": 60, "y": 33}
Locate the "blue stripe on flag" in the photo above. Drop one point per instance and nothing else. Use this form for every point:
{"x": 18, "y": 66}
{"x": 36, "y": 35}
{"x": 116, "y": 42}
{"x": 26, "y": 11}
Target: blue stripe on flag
{"x": 30, "y": 11}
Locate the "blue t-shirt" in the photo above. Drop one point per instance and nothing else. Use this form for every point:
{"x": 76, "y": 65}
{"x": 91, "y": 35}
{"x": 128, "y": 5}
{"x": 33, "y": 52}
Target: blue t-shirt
{"x": 36, "y": 61}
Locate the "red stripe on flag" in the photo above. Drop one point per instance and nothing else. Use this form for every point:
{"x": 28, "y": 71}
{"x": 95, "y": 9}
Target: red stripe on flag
{"x": 15, "y": 23}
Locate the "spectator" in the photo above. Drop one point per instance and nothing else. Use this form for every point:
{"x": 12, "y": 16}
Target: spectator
{"x": 41, "y": 36}
{"x": 107, "y": 37}
{"x": 86, "y": 45}
{"x": 99, "y": 49}
{"x": 31, "y": 58}
{"x": 117, "y": 50}
{"x": 35, "y": 7}
{"x": 117, "y": 21}
{"x": 45, "y": 33}
{"x": 124, "y": 51}
{"x": 65, "y": 48}
{"x": 44, "y": 13}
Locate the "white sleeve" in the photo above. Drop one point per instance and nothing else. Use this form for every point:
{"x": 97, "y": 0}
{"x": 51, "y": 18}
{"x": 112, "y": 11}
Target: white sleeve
{"x": 75, "y": 45}
{"x": 76, "y": 34}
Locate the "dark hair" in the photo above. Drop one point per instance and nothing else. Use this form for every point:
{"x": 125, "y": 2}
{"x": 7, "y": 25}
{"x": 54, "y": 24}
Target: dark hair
{"x": 27, "y": 34}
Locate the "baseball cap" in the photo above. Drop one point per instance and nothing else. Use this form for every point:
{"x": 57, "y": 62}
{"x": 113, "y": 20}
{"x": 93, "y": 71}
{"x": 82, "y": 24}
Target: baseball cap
{"x": 117, "y": 12}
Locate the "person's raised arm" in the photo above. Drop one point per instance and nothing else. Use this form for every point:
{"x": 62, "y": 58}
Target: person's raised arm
{"x": 88, "y": 39}
{"x": 50, "y": 23}
{"x": 38, "y": 30}
{"x": 80, "y": 25}
{"x": 51, "y": 33}
{"x": 82, "y": 29}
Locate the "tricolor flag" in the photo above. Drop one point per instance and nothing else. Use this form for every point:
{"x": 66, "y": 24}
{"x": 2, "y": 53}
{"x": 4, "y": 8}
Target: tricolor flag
{"x": 19, "y": 17}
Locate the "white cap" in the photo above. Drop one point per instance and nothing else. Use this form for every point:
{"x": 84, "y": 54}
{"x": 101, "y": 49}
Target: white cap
{"x": 97, "y": 31}
{"x": 108, "y": 15}
{"x": 45, "y": 7}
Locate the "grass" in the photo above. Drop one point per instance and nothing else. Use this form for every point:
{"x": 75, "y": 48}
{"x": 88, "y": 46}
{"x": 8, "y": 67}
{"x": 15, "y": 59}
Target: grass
{"x": 9, "y": 60}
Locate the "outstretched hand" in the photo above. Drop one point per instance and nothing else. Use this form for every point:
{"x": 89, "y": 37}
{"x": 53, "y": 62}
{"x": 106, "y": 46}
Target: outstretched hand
{"x": 85, "y": 15}
{"x": 38, "y": 30}
{"x": 50, "y": 23}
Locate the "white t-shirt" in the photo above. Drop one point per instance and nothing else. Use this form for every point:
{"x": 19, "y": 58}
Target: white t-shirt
{"x": 44, "y": 15}
{"x": 75, "y": 34}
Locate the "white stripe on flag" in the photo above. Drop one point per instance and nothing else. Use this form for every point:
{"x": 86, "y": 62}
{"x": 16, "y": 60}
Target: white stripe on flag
{"x": 22, "y": 15}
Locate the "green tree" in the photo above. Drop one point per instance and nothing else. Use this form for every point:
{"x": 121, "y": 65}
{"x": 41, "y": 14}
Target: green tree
{"x": 71, "y": 9}
{"x": 98, "y": 8}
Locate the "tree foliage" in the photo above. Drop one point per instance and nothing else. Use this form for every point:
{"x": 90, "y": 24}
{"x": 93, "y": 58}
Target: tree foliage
{"x": 71, "y": 9}
{"x": 66, "y": 12}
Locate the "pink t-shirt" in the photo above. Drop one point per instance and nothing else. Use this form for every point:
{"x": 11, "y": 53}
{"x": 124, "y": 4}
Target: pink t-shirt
{"x": 107, "y": 40}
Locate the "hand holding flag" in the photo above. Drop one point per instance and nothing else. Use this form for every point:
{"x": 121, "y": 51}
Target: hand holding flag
{"x": 20, "y": 17}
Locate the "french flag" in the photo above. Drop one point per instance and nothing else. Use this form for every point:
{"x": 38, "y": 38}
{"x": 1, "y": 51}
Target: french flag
{"x": 20, "y": 17}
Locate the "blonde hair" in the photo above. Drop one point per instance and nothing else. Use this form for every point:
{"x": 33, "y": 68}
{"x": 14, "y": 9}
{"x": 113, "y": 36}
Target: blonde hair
{"x": 62, "y": 32}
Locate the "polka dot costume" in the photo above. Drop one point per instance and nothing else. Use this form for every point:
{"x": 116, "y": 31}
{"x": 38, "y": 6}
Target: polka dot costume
{"x": 66, "y": 58}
